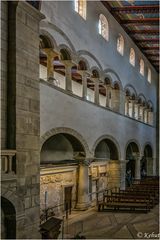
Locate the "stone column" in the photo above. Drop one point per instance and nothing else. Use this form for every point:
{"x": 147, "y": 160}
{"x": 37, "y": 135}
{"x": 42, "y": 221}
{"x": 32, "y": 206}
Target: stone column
{"x": 149, "y": 166}
{"x": 146, "y": 115}
{"x": 155, "y": 163}
{"x": 114, "y": 173}
{"x": 84, "y": 75}
{"x": 123, "y": 174}
{"x": 96, "y": 90}
{"x": 51, "y": 54}
{"x": 133, "y": 108}
{"x": 115, "y": 99}
{"x": 127, "y": 106}
{"x": 150, "y": 118}
{"x": 136, "y": 110}
{"x": 108, "y": 96}
{"x": 68, "y": 71}
{"x": 122, "y": 102}
{"x": 137, "y": 167}
{"x": 83, "y": 186}
{"x": 141, "y": 111}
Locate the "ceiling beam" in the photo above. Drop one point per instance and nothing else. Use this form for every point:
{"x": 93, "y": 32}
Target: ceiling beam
{"x": 150, "y": 48}
{"x": 156, "y": 54}
{"x": 145, "y": 32}
{"x": 136, "y": 9}
{"x": 138, "y": 21}
{"x": 156, "y": 40}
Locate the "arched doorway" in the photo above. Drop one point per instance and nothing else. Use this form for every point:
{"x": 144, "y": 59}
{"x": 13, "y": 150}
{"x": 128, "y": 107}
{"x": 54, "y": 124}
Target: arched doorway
{"x": 8, "y": 219}
{"x": 60, "y": 157}
{"x": 133, "y": 163}
{"x": 147, "y": 161}
{"x": 106, "y": 150}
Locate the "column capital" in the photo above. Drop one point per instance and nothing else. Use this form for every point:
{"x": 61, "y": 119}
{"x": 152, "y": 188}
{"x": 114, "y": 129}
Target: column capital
{"x": 51, "y": 52}
{"x": 85, "y": 162}
{"x": 68, "y": 63}
{"x": 84, "y": 73}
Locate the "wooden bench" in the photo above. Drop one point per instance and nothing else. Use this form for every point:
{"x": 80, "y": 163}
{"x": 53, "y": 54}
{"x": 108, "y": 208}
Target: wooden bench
{"x": 135, "y": 197}
{"x": 123, "y": 203}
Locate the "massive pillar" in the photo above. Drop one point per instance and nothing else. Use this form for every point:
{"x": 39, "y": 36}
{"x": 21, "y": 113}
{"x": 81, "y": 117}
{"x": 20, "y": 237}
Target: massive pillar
{"x": 23, "y": 111}
{"x": 83, "y": 186}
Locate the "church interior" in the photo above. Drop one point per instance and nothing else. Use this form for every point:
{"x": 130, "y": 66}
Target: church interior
{"x": 79, "y": 119}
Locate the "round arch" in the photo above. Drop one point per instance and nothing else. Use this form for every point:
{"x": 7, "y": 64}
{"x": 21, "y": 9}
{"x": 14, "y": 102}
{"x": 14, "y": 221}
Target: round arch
{"x": 50, "y": 37}
{"x": 110, "y": 72}
{"x": 130, "y": 87}
{"x": 8, "y": 219}
{"x": 70, "y": 131}
{"x": 142, "y": 96}
{"x": 85, "y": 61}
{"x": 135, "y": 142}
{"x": 104, "y": 137}
{"x": 96, "y": 69}
{"x": 84, "y": 52}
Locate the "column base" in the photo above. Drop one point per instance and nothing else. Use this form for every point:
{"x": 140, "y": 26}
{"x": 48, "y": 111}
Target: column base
{"x": 82, "y": 206}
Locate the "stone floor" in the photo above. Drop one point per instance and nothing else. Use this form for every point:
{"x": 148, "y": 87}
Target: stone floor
{"x": 113, "y": 225}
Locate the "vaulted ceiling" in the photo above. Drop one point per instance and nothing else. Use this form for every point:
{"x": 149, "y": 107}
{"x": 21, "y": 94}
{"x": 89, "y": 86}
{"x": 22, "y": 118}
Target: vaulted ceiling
{"x": 140, "y": 20}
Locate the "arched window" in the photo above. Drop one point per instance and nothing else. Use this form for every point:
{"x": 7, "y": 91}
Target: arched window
{"x": 80, "y": 7}
{"x": 120, "y": 44}
{"x": 132, "y": 57}
{"x": 103, "y": 27}
{"x": 141, "y": 67}
{"x": 149, "y": 75}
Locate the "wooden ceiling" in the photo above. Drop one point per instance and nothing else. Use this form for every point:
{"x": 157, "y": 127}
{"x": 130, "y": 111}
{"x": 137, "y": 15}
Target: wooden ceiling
{"x": 140, "y": 20}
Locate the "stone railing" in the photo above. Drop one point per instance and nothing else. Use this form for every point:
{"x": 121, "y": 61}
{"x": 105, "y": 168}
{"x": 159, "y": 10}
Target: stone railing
{"x": 8, "y": 162}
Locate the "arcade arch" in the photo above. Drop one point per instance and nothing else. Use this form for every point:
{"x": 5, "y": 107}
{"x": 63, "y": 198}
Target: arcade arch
{"x": 8, "y": 219}
{"x": 133, "y": 162}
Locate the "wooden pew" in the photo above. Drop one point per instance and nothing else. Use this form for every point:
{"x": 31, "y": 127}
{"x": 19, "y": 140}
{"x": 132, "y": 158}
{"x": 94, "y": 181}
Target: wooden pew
{"x": 123, "y": 203}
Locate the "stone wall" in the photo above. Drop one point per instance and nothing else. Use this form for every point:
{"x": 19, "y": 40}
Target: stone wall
{"x": 23, "y": 117}
{"x": 59, "y": 109}
{"x": 53, "y": 181}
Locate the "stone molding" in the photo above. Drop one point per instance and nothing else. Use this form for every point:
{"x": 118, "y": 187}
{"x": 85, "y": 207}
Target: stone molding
{"x": 55, "y": 131}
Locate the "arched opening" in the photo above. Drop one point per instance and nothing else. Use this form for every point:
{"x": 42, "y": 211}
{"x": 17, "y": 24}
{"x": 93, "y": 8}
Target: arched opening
{"x": 44, "y": 44}
{"x": 132, "y": 57}
{"x": 80, "y": 7}
{"x": 106, "y": 149}
{"x": 132, "y": 166}
{"x": 141, "y": 67}
{"x": 106, "y": 152}
{"x": 120, "y": 44}
{"x": 8, "y": 219}
{"x": 61, "y": 148}
{"x": 103, "y": 27}
{"x": 60, "y": 154}
{"x": 147, "y": 162}
{"x": 65, "y": 55}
